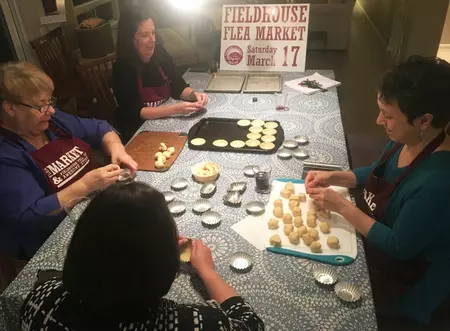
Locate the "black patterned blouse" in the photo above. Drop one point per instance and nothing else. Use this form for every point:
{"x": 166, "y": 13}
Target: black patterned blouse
{"x": 50, "y": 307}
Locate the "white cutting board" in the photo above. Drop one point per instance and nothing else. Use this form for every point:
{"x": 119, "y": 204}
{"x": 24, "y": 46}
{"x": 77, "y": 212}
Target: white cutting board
{"x": 255, "y": 230}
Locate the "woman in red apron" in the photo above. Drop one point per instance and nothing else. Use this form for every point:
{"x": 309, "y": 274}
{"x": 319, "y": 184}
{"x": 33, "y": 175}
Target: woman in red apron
{"x": 407, "y": 192}
{"x": 144, "y": 76}
{"x": 45, "y": 159}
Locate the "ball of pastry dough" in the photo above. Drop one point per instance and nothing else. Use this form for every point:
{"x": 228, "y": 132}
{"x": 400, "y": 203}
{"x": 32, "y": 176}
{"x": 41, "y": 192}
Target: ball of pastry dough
{"x": 311, "y": 222}
{"x": 307, "y": 239}
{"x": 316, "y": 247}
{"x": 298, "y": 221}
{"x": 159, "y": 164}
{"x": 295, "y": 197}
{"x": 278, "y": 212}
{"x": 311, "y": 212}
{"x": 275, "y": 240}
{"x": 288, "y": 228}
{"x": 302, "y": 197}
{"x": 324, "y": 227}
{"x": 171, "y": 150}
{"x": 162, "y": 158}
{"x": 162, "y": 147}
{"x": 287, "y": 218}
{"x": 285, "y": 194}
{"x": 158, "y": 155}
{"x": 292, "y": 204}
{"x": 294, "y": 238}
{"x": 302, "y": 230}
{"x": 325, "y": 214}
{"x": 167, "y": 154}
{"x": 272, "y": 224}
{"x": 297, "y": 211}
{"x": 314, "y": 233}
{"x": 333, "y": 242}
{"x": 278, "y": 203}
{"x": 289, "y": 186}
{"x": 315, "y": 206}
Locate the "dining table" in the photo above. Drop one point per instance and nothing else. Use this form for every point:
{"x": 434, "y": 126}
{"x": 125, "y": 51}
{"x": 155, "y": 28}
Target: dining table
{"x": 280, "y": 288}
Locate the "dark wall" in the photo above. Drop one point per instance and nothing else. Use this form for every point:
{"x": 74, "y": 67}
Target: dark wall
{"x": 380, "y": 13}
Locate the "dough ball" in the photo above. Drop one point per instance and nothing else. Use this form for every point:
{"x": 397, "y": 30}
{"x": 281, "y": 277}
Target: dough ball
{"x": 287, "y": 218}
{"x": 316, "y": 247}
{"x": 294, "y": 238}
{"x": 288, "y": 228}
{"x": 316, "y": 206}
{"x": 302, "y": 197}
{"x": 313, "y": 233}
{"x": 324, "y": 227}
{"x": 278, "y": 203}
{"x": 171, "y": 150}
{"x": 333, "y": 242}
{"x": 292, "y": 204}
{"x": 159, "y": 164}
{"x": 272, "y": 224}
{"x": 295, "y": 197}
{"x": 285, "y": 194}
{"x": 311, "y": 222}
{"x": 325, "y": 214}
{"x": 275, "y": 240}
{"x": 297, "y": 211}
{"x": 298, "y": 221}
{"x": 162, "y": 147}
{"x": 311, "y": 212}
{"x": 167, "y": 154}
{"x": 307, "y": 239}
{"x": 278, "y": 212}
{"x": 289, "y": 186}
{"x": 157, "y": 155}
{"x": 302, "y": 230}
{"x": 162, "y": 158}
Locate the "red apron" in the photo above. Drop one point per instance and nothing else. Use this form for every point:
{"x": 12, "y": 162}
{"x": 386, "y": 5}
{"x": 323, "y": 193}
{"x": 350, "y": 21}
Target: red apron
{"x": 154, "y": 96}
{"x": 390, "y": 278}
{"x": 63, "y": 161}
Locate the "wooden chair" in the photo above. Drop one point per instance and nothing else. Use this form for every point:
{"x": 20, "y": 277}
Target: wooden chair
{"x": 96, "y": 76}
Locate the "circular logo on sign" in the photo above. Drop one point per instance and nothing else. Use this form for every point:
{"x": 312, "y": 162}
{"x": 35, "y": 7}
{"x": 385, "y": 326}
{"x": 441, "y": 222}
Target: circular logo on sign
{"x": 234, "y": 55}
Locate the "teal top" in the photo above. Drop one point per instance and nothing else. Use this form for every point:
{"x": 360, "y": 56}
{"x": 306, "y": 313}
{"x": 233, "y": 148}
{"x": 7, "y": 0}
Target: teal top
{"x": 416, "y": 223}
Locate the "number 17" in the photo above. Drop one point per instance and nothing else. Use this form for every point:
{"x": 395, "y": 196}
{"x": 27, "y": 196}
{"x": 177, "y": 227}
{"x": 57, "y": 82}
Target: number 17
{"x": 294, "y": 49}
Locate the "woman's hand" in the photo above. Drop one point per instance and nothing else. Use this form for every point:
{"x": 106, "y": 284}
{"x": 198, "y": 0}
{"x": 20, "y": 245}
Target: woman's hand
{"x": 328, "y": 199}
{"x": 188, "y": 107}
{"x": 316, "y": 179}
{"x": 101, "y": 178}
{"x": 201, "y": 98}
{"x": 182, "y": 240}
{"x": 201, "y": 258}
{"x": 120, "y": 157}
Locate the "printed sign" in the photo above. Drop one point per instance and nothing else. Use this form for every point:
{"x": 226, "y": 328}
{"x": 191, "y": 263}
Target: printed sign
{"x": 264, "y": 37}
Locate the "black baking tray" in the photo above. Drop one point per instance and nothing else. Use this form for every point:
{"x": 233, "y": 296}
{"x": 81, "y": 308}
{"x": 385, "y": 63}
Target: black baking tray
{"x": 212, "y": 128}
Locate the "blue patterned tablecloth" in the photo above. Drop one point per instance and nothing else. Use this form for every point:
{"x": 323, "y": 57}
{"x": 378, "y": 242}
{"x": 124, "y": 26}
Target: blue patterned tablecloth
{"x": 280, "y": 288}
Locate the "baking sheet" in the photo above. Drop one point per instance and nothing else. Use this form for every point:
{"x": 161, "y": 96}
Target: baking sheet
{"x": 262, "y": 83}
{"x": 213, "y": 128}
{"x": 255, "y": 230}
{"x": 225, "y": 82}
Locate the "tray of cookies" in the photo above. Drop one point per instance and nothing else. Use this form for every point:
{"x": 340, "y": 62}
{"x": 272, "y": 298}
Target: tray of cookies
{"x": 236, "y": 135}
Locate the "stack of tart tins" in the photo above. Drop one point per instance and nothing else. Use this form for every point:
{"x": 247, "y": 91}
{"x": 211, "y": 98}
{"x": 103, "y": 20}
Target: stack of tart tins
{"x": 293, "y": 147}
{"x": 344, "y": 290}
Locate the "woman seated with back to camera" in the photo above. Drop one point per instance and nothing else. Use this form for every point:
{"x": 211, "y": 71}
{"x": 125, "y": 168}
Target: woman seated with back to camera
{"x": 144, "y": 76}
{"x": 122, "y": 260}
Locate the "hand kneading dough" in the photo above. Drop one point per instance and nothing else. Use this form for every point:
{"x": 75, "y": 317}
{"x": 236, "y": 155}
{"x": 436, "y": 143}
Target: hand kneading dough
{"x": 298, "y": 221}
{"x": 287, "y": 218}
{"x": 272, "y": 224}
{"x": 333, "y": 242}
{"x": 292, "y": 204}
{"x": 302, "y": 230}
{"x": 316, "y": 206}
{"x": 289, "y": 186}
{"x": 275, "y": 240}
{"x": 297, "y": 211}
{"x": 294, "y": 238}
{"x": 307, "y": 239}
{"x": 313, "y": 233}
{"x": 278, "y": 212}
{"x": 316, "y": 247}
{"x": 278, "y": 203}
{"x": 324, "y": 227}
{"x": 325, "y": 214}
{"x": 288, "y": 228}
{"x": 311, "y": 222}
{"x": 285, "y": 194}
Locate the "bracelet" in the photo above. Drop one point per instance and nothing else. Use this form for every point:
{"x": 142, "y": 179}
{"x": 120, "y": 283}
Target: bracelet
{"x": 192, "y": 96}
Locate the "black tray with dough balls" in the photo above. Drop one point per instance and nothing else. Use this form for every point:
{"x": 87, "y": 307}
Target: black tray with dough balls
{"x": 211, "y": 129}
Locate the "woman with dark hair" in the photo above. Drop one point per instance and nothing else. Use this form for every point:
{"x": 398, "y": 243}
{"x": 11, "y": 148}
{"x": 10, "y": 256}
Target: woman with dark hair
{"x": 407, "y": 191}
{"x": 144, "y": 76}
{"x": 121, "y": 262}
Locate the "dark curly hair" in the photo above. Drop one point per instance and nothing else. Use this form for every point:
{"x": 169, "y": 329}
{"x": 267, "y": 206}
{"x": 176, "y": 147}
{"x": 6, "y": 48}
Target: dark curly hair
{"x": 420, "y": 85}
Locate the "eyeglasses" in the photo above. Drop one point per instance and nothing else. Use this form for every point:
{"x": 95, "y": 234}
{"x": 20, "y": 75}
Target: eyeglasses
{"x": 43, "y": 109}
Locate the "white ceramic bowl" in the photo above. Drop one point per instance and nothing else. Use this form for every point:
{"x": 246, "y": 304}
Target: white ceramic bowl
{"x": 205, "y": 172}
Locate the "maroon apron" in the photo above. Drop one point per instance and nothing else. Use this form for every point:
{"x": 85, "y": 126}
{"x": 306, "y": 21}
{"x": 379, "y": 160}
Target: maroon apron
{"x": 64, "y": 160}
{"x": 154, "y": 96}
{"x": 390, "y": 278}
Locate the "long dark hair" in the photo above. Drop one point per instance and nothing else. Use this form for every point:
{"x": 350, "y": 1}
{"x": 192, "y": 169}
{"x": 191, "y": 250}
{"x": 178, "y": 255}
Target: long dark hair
{"x": 124, "y": 252}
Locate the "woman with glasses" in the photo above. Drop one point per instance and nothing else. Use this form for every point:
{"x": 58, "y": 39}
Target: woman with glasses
{"x": 45, "y": 159}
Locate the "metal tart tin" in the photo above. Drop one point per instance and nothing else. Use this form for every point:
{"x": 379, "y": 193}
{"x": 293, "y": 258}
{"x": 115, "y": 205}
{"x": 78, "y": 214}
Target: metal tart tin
{"x": 201, "y": 205}
{"x": 290, "y": 143}
{"x": 233, "y": 199}
{"x": 248, "y": 171}
{"x": 302, "y": 140}
{"x": 177, "y": 208}
{"x": 179, "y": 184}
{"x": 169, "y": 196}
{"x": 237, "y": 187}
{"x": 211, "y": 219}
{"x": 241, "y": 262}
{"x": 348, "y": 292}
{"x": 301, "y": 153}
{"x": 126, "y": 176}
{"x": 208, "y": 189}
{"x": 325, "y": 275}
{"x": 284, "y": 153}
{"x": 255, "y": 207}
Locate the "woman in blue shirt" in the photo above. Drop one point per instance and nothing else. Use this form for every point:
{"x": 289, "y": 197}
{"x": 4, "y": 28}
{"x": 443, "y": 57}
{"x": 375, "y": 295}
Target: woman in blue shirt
{"x": 407, "y": 191}
{"x": 45, "y": 159}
